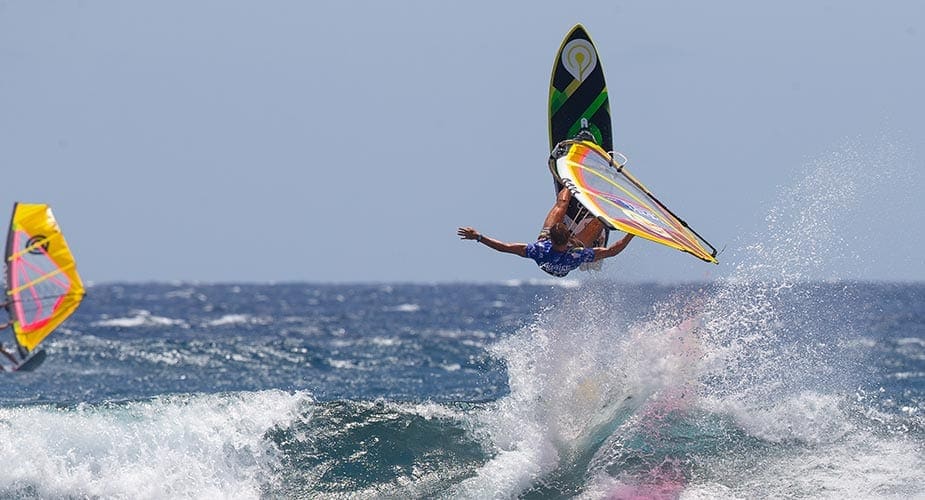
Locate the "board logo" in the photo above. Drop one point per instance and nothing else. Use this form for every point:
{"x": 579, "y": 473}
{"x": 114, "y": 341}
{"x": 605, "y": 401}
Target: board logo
{"x": 579, "y": 58}
{"x": 37, "y": 245}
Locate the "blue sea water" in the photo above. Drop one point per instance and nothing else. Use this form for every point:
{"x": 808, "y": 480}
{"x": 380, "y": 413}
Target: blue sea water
{"x": 588, "y": 389}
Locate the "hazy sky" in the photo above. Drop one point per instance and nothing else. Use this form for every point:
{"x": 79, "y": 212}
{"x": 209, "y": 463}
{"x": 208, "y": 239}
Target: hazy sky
{"x": 345, "y": 141}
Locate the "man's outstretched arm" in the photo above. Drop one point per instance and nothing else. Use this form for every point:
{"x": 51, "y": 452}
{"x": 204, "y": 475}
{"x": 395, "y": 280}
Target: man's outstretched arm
{"x": 468, "y": 233}
{"x": 603, "y": 253}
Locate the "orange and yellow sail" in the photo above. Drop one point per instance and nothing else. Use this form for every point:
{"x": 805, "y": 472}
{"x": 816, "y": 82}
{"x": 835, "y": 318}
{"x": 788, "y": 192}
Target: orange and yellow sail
{"x": 42, "y": 284}
{"x": 619, "y": 200}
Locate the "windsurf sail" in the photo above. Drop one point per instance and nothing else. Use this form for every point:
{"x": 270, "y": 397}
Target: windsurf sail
{"x": 42, "y": 284}
{"x": 619, "y": 200}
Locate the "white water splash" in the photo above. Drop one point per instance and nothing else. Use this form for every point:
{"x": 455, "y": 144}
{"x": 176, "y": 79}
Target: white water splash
{"x": 576, "y": 376}
{"x": 771, "y": 366}
{"x": 210, "y": 446}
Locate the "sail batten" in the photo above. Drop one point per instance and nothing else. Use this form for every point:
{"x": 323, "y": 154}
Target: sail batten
{"x": 51, "y": 276}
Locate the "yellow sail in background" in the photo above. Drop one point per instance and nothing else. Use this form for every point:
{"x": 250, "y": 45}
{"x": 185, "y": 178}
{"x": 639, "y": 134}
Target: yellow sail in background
{"x": 43, "y": 287}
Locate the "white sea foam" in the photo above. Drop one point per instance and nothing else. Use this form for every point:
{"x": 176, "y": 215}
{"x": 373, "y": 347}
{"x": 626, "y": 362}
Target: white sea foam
{"x": 140, "y": 318}
{"x": 426, "y": 410}
{"x": 906, "y": 375}
{"x": 863, "y": 465}
{"x": 237, "y": 319}
{"x": 405, "y": 308}
{"x": 343, "y": 364}
{"x": 809, "y": 417}
{"x": 184, "y": 293}
{"x": 385, "y": 341}
{"x": 212, "y": 446}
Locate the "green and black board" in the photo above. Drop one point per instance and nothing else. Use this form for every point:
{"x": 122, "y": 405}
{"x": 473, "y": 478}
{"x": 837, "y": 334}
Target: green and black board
{"x": 578, "y": 92}
{"x": 578, "y": 101}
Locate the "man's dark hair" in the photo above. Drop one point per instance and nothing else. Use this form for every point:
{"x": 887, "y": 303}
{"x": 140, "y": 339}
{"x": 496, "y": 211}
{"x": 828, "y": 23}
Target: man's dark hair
{"x": 559, "y": 234}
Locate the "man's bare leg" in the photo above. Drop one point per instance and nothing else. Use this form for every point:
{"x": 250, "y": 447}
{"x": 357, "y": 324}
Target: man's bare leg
{"x": 590, "y": 233}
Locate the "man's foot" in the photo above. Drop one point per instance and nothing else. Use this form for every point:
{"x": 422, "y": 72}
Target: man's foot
{"x": 586, "y": 135}
{"x": 601, "y": 239}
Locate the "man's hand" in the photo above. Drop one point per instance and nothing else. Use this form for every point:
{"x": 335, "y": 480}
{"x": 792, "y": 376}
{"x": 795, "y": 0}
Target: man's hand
{"x": 467, "y": 233}
{"x": 603, "y": 253}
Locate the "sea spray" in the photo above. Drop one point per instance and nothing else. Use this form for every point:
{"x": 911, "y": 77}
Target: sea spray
{"x": 743, "y": 375}
{"x": 779, "y": 363}
{"x": 765, "y": 323}
{"x": 577, "y": 375}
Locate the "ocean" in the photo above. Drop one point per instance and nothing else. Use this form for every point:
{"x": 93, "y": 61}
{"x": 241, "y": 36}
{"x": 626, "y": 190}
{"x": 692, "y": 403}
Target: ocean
{"x": 585, "y": 388}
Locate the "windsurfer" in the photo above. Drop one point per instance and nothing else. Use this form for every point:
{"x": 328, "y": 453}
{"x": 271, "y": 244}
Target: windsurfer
{"x": 9, "y": 356}
{"x": 4, "y": 326}
{"x": 557, "y": 251}
{"x": 3, "y": 305}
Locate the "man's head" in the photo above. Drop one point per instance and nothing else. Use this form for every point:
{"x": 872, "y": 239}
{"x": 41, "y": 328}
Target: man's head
{"x": 559, "y": 234}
